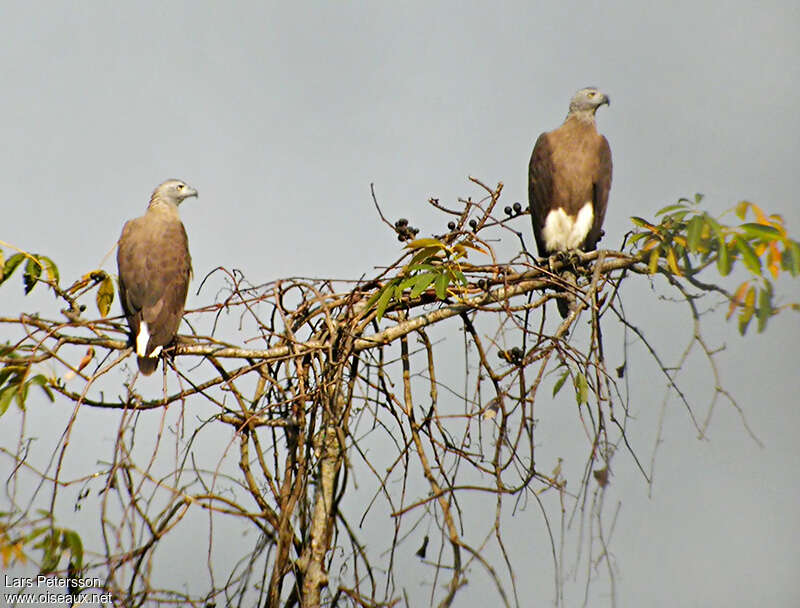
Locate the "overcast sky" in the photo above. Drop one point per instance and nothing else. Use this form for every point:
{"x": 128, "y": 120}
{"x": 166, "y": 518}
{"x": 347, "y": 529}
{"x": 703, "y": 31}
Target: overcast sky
{"x": 282, "y": 116}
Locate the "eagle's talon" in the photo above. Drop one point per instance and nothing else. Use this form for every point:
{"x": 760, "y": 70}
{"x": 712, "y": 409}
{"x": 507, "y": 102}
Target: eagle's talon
{"x": 574, "y": 258}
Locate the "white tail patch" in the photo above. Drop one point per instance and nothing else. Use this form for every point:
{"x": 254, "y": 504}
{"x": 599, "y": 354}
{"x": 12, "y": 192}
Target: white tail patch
{"x": 563, "y": 233}
{"x": 141, "y": 342}
{"x": 142, "y": 339}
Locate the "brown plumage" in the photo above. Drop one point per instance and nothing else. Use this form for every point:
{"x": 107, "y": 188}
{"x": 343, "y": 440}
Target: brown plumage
{"x": 569, "y": 178}
{"x": 154, "y": 270}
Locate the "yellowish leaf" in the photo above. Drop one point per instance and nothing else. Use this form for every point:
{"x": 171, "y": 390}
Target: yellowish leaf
{"x": 750, "y": 298}
{"x": 741, "y": 209}
{"x": 105, "y": 296}
{"x": 87, "y": 358}
{"x": 761, "y": 217}
{"x": 473, "y": 246}
{"x": 776, "y": 221}
{"x": 748, "y": 311}
{"x": 425, "y": 242}
{"x": 773, "y": 260}
{"x": 5, "y": 553}
{"x": 19, "y": 554}
{"x": 672, "y": 262}
{"x": 652, "y": 267}
{"x": 737, "y": 299}
{"x": 651, "y": 242}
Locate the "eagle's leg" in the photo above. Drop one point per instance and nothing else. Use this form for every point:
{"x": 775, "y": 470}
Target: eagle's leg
{"x": 555, "y": 258}
{"x": 574, "y": 257}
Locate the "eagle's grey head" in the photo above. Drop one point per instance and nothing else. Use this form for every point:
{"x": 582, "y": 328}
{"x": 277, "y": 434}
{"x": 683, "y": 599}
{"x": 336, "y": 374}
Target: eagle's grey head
{"x": 586, "y": 101}
{"x": 173, "y": 191}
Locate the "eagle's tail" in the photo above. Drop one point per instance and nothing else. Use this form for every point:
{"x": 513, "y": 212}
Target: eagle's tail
{"x": 565, "y": 304}
{"x": 563, "y": 307}
{"x": 147, "y": 365}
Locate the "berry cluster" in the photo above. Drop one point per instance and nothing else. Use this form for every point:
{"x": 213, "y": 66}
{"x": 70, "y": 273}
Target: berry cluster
{"x": 513, "y": 211}
{"x": 404, "y": 231}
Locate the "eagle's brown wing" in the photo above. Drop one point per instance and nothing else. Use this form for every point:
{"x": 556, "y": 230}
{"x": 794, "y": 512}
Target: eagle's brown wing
{"x": 601, "y": 188}
{"x": 540, "y": 188}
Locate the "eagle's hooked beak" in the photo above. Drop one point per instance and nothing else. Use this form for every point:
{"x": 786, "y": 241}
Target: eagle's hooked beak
{"x": 605, "y": 100}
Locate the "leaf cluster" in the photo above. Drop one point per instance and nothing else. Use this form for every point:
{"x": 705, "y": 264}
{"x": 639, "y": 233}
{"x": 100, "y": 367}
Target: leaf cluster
{"x": 690, "y": 240}
{"x": 434, "y": 263}
{"x": 54, "y": 542}
{"x": 35, "y": 265}
{"x": 15, "y": 381}
{"x": 579, "y": 383}
{"x": 38, "y": 265}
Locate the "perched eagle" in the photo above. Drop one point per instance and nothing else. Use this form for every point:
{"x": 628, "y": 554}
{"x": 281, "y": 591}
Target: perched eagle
{"x": 154, "y": 268}
{"x": 569, "y": 177}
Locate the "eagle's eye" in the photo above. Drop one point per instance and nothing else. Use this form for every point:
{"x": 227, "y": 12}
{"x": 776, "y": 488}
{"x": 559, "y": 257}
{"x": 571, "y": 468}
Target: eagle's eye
{"x": 180, "y": 186}
{"x": 592, "y": 93}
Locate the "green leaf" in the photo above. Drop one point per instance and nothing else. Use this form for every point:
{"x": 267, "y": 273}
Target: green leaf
{"x": 760, "y": 231}
{"x": 790, "y": 259}
{"x": 105, "y": 296}
{"x": 669, "y": 208}
{"x": 384, "y": 299}
{"x": 749, "y": 256}
{"x": 724, "y": 263}
{"x": 560, "y": 382}
{"x": 637, "y": 237}
{"x": 36, "y": 533}
{"x": 764, "y": 310}
{"x": 11, "y": 265}
{"x": 405, "y": 284}
{"x": 442, "y": 281}
{"x": 417, "y": 268}
{"x": 72, "y": 540}
{"x": 22, "y": 395}
{"x": 33, "y": 271}
{"x": 715, "y": 227}
{"x": 424, "y": 254}
{"x": 459, "y": 276}
{"x": 423, "y": 281}
{"x": 687, "y": 263}
{"x": 4, "y": 374}
{"x": 372, "y": 299}
{"x": 697, "y": 198}
{"x": 675, "y": 217}
{"x": 581, "y": 389}
{"x": 52, "y": 554}
{"x": 5, "y": 397}
{"x": 40, "y": 380}
{"x": 50, "y": 268}
{"x": 641, "y": 222}
{"x": 693, "y": 232}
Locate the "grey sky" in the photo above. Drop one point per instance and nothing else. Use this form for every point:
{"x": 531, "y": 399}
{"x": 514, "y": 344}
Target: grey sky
{"x": 281, "y": 117}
